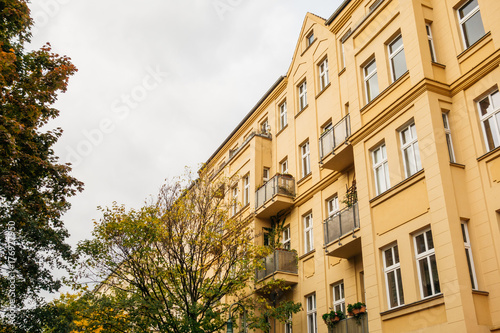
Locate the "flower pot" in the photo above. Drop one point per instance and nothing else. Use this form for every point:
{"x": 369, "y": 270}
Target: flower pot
{"x": 355, "y": 311}
{"x": 363, "y": 309}
{"x": 351, "y": 314}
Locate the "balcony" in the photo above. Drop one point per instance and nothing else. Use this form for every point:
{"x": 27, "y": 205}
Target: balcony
{"x": 337, "y": 228}
{"x": 333, "y": 153}
{"x": 350, "y": 325}
{"x": 282, "y": 264}
{"x": 275, "y": 195}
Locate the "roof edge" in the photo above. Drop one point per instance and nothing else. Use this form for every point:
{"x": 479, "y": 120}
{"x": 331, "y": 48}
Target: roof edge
{"x": 261, "y": 100}
{"x": 337, "y": 12}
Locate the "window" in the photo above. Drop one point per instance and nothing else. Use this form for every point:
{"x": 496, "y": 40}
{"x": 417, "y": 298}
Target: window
{"x": 288, "y": 324}
{"x": 447, "y": 133}
{"x": 308, "y": 233}
{"x": 489, "y": 114}
{"x": 397, "y": 58}
{"x": 371, "y": 80}
{"x": 323, "y": 74}
{"x": 283, "y": 116}
{"x": 284, "y": 166}
{"x": 431, "y": 42}
{"x": 246, "y": 190}
{"x": 286, "y": 238}
{"x": 426, "y": 264}
{"x": 471, "y": 23}
{"x": 409, "y": 148}
{"x": 393, "y": 281}
{"x": 302, "y": 95}
{"x": 310, "y": 38}
{"x": 333, "y": 205}
{"x": 264, "y": 127}
{"x": 342, "y": 47}
{"x": 312, "y": 326}
{"x": 338, "y": 297}
{"x": 380, "y": 169}
{"x": 265, "y": 174}
{"x": 468, "y": 254}
{"x": 306, "y": 160}
{"x": 234, "y": 209}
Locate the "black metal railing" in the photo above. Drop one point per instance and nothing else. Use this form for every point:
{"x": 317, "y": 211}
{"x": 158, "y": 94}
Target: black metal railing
{"x": 343, "y": 222}
{"x": 334, "y": 137}
{"x": 278, "y": 261}
{"x": 279, "y": 184}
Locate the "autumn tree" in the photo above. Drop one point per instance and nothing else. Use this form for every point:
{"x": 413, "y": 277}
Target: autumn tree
{"x": 34, "y": 186}
{"x": 170, "y": 265}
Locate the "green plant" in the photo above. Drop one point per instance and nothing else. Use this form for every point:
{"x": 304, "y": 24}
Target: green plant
{"x": 332, "y": 318}
{"x": 357, "y": 310}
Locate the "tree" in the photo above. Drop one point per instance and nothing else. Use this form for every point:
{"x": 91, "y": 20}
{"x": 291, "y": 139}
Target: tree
{"x": 172, "y": 265}
{"x": 34, "y": 187}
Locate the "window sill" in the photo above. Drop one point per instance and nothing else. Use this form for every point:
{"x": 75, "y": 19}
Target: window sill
{"x": 281, "y": 130}
{"x": 437, "y": 64}
{"x": 401, "y": 186}
{"x": 303, "y": 179}
{"x": 480, "y": 292}
{"x": 342, "y": 71}
{"x": 471, "y": 49}
{"x": 406, "y": 309}
{"x": 488, "y": 154}
{"x": 307, "y": 255}
{"x": 305, "y": 107}
{"x": 321, "y": 92}
{"x": 457, "y": 165}
{"x": 386, "y": 91}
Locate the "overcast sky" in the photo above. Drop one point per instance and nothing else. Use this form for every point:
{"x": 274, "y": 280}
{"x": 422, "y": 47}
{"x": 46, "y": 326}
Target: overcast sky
{"x": 160, "y": 85}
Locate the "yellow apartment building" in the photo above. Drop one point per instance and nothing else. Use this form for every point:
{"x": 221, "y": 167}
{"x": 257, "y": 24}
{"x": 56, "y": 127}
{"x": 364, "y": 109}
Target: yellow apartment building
{"x": 383, "y": 142}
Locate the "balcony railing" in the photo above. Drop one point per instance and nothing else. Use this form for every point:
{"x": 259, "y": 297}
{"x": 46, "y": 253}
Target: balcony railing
{"x": 342, "y": 223}
{"x": 279, "y": 184}
{"x": 334, "y": 137}
{"x": 278, "y": 261}
{"x": 349, "y": 325}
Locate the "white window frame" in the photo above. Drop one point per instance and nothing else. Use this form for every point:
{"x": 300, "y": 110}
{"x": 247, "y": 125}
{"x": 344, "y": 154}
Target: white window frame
{"x": 308, "y": 233}
{"x": 303, "y": 95}
{"x": 310, "y": 38}
{"x": 393, "y": 268}
{"x": 286, "y": 242}
{"x": 394, "y": 54}
{"x": 306, "y": 159}
{"x": 289, "y": 324}
{"x": 283, "y": 115}
{"x": 447, "y": 133}
{"x": 492, "y": 116}
{"x": 410, "y": 149}
{"x": 431, "y": 42}
{"x": 324, "y": 80}
{"x": 382, "y": 184}
{"x": 312, "y": 325}
{"x": 284, "y": 166}
{"x": 266, "y": 173}
{"x": 367, "y": 76}
{"x": 264, "y": 127}
{"x": 425, "y": 257}
{"x": 468, "y": 253}
{"x": 333, "y": 205}
{"x": 235, "y": 200}
{"x": 246, "y": 190}
{"x": 338, "y": 303}
{"x": 463, "y": 20}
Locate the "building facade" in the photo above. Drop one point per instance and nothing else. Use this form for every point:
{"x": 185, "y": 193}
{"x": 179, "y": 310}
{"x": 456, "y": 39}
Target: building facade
{"x": 382, "y": 144}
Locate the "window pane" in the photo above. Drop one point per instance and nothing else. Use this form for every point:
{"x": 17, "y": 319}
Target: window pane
{"x": 491, "y": 133}
{"x": 425, "y": 276}
{"x": 467, "y": 8}
{"x": 435, "y": 276}
{"x": 396, "y": 254}
{"x": 473, "y": 29}
{"x": 380, "y": 180}
{"x": 484, "y": 105}
{"x": 495, "y": 98}
{"x": 372, "y": 87}
{"x": 393, "y": 296}
{"x": 400, "y": 287}
{"x": 398, "y": 64}
{"x": 388, "y": 258}
{"x": 396, "y": 44}
{"x": 430, "y": 242}
{"x": 471, "y": 274}
{"x": 370, "y": 68}
{"x": 420, "y": 243}
{"x": 464, "y": 236}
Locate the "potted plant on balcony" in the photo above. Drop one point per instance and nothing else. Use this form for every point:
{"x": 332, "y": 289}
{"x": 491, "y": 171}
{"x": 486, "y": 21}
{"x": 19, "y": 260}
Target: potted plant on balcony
{"x": 351, "y": 195}
{"x": 332, "y": 318}
{"x": 356, "y": 310}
